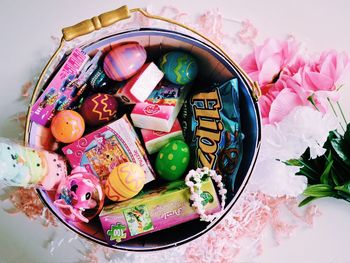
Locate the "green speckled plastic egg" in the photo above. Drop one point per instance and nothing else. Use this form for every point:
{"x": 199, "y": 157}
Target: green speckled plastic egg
{"x": 172, "y": 160}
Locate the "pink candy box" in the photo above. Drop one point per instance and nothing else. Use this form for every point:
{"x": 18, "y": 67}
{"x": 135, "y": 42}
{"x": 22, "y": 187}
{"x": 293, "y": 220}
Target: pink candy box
{"x": 161, "y": 108}
{"x": 155, "y": 140}
{"x": 60, "y": 93}
{"x": 104, "y": 149}
{"x": 139, "y": 87}
{"x": 155, "y": 210}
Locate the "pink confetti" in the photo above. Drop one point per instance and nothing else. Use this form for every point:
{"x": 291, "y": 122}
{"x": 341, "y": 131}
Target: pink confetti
{"x": 247, "y": 34}
{"x": 27, "y": 202}
{"x": 26, "y": 88}
{"x": 21, "y": 119}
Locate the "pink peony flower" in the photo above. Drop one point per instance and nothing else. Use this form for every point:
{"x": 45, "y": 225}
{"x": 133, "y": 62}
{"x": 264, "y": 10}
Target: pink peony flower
{"x": 266, "y": 62}
{"x": 288, "y": 80}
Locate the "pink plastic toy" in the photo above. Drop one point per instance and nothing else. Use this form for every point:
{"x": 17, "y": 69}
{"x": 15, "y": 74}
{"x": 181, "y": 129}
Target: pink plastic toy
{"x": 80, "y": 197}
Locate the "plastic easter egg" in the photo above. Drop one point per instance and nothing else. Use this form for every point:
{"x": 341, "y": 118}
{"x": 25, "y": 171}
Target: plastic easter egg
{"x": 80, "y": 197}
{"x": 99, "y": 82}
{"x": 98, "y": 109}
{"x": 123, "y": 61}
{"x": 179, "y": 67}
{"x": 172, "y": 160}
{"x": 67, "y": 126}
{"x": 125, "y": 181}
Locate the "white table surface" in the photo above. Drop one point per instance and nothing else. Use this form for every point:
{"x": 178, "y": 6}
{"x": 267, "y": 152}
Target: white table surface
{"x": 26, "y": 28}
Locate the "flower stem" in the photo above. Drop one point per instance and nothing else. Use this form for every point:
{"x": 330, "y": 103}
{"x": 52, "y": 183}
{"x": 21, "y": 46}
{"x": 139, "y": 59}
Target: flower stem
{"x": 342, "y": 113}
{"x": 311, "y": 99}
{"x": 335, "y": 113}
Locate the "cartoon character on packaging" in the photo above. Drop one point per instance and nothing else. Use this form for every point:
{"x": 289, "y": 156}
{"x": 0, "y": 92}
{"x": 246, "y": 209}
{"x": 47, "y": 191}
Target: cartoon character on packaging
{"x": 68, "y": 82}
{"x": 49, "y": 98}
{"x": 80, "y": 197}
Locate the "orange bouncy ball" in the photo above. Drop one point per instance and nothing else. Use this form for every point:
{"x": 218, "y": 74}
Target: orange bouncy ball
{"x": 125, "y": 181}
{"x": 67, "y": 126}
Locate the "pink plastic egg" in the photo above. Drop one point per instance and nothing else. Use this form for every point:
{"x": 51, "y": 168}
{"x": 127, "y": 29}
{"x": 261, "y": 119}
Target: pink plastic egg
{"x": 123, "y": 61}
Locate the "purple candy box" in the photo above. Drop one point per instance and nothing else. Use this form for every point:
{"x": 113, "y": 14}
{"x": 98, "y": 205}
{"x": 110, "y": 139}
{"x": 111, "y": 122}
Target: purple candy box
{"x": 61, "y": 92}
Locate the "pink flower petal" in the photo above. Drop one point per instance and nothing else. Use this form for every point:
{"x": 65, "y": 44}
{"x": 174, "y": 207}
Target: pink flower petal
{"x": 317, "y": 81}
{"x": 283, "y": 105}
{"x": 270, "y": 47}
{"x": 270, "y": 69}
{"x": 249, "y": 63}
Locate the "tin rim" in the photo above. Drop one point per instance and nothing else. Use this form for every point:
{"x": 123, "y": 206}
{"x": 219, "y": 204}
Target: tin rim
{"x": 201, "y": 44}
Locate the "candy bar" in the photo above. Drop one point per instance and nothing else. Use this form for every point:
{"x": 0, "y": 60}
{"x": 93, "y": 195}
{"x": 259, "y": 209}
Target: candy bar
{"x": 154, "y": 210}
{"x": 62, "y": 91}
{"x": 159, "y": 111}
{"x": 102, "y": 150}
{"x": 27, "y": 167}
{"x": 139, "y": 87}
{"x": 155, "y": 140}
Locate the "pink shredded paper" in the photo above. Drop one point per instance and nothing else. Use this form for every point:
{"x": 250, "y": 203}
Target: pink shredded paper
{"x": 248, "y": 220}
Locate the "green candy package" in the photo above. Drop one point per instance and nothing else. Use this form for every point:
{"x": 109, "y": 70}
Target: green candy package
{"x": 211, "y": 124}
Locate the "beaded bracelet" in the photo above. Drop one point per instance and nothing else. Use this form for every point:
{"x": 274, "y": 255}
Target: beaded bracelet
{"x": 194, "y": 182}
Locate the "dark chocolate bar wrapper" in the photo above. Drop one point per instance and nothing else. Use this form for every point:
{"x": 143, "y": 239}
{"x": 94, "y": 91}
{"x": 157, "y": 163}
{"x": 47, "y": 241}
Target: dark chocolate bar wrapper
{"x": 211, "y": 124}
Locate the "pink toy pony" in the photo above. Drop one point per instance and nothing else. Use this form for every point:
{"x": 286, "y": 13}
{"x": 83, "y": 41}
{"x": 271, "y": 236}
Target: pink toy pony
{"x": 80, "y": 196}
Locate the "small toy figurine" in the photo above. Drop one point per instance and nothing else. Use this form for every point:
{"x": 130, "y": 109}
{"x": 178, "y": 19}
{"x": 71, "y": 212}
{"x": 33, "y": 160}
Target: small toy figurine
{"x": 27, "y": 167}
{"x": 67, "y": 126}
{"x": 80, "y": 197}
{"x": 125, "y": 181}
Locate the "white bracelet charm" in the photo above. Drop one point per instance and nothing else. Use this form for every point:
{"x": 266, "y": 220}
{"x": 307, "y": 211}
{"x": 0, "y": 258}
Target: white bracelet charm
{"x": 195, "y": 190}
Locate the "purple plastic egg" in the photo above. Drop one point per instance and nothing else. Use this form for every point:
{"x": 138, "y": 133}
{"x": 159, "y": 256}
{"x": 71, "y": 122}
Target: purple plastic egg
{"x": 123, "y": 61}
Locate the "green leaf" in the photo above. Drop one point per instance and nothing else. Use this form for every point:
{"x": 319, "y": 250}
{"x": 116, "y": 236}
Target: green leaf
{"x": 319, "y": 190}
{"x": 341, "y": 167}
{"x": 347, "y": 135}
{"x": 343, "y": 195}
{"x": 344, "y": 188}
{"x": 307, "y": 200}
{"x": 325, "y": 175}
{"x": 294, "y": 162}
{"x": 335, "y": 178}
{"x": 338, "y": 147}
{"x": 308, "y": 171}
